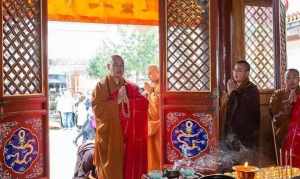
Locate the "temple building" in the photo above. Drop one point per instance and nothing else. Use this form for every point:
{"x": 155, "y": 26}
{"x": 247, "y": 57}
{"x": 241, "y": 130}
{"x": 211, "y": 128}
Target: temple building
{"x": 200, "y": 41}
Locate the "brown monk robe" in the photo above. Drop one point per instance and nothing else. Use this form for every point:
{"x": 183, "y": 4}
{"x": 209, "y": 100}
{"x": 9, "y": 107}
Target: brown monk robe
{"x": 281, "y": 104}
{"x": 152, "y": 91}
{"x": 108, "y": 156}
{"x": 242, "y": 109}
{"x": 243, "y": 114}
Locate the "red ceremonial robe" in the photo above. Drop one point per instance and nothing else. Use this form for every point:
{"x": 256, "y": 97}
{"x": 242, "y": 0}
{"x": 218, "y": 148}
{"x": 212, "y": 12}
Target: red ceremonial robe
{"x": 292, "y": 139}
{"x": 134, "y": 133}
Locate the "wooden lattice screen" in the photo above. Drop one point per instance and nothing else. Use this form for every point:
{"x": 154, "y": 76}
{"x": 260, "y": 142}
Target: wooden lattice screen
{"x": 21, "y": 47}
{"x": 259, "y": 45}
{"x": 188, "y": 65}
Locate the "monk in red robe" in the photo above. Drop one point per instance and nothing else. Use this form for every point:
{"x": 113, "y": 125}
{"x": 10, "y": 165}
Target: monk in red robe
{"x": 292, "y": 138}
{"x": 134, "y": 122}
{"x": 281, "y": 105}
{"x": 121, "y": 126}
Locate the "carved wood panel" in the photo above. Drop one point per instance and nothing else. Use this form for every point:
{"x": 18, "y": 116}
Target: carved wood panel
{"x": 188, "y": 78}
{"x": 188, "y": 46}
{"x": 259, "y": 45}
{"x": 21, "y": 47}
{"x": 23, "y": 94}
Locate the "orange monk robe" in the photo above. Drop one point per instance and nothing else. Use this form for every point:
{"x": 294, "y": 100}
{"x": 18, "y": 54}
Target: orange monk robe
{"x": 154, "y": 153}
{"x": 109, "y": 149}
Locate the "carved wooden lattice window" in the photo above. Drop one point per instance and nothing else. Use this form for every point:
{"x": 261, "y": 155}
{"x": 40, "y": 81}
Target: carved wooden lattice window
{"x": 188, "y": 63}
{"x": 21, "y": 47}
{"x": 283, "y": 60}
{"x": 259, "y": 51}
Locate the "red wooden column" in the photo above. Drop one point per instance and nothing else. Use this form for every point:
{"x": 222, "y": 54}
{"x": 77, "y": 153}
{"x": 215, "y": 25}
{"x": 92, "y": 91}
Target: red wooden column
{"x": 189, "y": 98}
{"x": 23, "y": 90}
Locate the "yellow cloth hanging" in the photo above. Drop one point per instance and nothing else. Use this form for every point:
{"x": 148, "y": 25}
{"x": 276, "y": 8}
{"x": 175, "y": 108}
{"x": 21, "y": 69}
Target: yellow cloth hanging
{"x": 137, "y": 12}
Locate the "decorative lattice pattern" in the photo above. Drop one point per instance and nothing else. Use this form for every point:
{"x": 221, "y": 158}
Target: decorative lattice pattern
{"x": 283, "y": 59}
{"x": 21, "y": 47}
{"x": 188, "y": 65}
{"x": 259, "y": 45}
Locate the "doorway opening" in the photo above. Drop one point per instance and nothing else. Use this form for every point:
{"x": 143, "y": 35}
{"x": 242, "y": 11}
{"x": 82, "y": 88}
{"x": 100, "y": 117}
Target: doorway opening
{"x": 77, "y": 58}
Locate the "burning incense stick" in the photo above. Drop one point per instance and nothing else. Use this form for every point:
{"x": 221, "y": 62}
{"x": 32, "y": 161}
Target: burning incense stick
{"x": 280, "y": 163}
{"x": 291, "y": 162}
{"x": 286, "y": 163}
{"x": 275, "y": 140}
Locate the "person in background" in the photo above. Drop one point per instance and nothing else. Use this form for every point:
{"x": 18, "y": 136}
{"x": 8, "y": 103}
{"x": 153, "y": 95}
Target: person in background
{"x": 81, "y": 111}
{"x": 152, "y": 92}
{"x": 88, "y": 129}
{"x": 84, "y": 168}
{"x": 65, "y": 106}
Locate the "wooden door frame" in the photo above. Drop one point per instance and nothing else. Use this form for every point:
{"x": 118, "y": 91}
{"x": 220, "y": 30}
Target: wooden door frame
{"x": 31, "y": 105}
{"x": 44, "y": 53}
{"x": 187, "y": 99}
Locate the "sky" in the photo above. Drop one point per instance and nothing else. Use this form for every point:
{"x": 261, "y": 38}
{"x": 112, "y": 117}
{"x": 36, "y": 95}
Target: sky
{"x": 78, "y": 41}
{"x": 293, "y": 47}
{"x": 294, "y": 5}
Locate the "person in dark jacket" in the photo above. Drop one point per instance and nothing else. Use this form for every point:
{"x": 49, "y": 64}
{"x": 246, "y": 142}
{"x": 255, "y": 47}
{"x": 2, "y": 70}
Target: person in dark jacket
{"x": 242, "y": 120}
{"x": 84, "y": 168}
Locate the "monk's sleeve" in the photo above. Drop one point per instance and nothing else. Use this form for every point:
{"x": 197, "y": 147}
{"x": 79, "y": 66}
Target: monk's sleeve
{"x": 153, "y": 127}
{"x": 101, "y": 140}
{"x": 153, "y": 115}
{"x": 251, "y": 103}
{"x": 255, "y": 108}
{"x": 98, "y": 102}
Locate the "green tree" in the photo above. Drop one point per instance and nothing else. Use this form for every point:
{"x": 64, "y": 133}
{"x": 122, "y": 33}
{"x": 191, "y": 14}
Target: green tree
{"x": 97, "y": 65}
{"x": 139, "y": 48}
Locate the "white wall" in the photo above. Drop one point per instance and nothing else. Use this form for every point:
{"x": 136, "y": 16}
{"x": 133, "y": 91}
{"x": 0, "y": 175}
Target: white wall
{"x": 293, "y": 54}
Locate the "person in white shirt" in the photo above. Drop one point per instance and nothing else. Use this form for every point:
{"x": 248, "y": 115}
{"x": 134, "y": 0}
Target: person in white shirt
{"x": 65, "y": 106}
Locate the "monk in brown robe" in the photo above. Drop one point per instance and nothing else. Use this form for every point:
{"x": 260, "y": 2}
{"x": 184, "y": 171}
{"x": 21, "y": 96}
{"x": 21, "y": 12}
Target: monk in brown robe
{"x": 242, "y": 118}
{"x": 121, "y": 126}
{"x": 152, "y": 92}
{"x": 281, "y": 103}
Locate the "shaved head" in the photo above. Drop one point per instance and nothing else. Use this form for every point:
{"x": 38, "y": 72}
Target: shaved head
{"x": 292, "y": 71}
{"x": 116, "y": 66}
{"x": 153, "y": 68}
{"x": 115, "y": 58}
{"x": 244, "y": 63}
{"x": 153, "y": 73}
{"x": 241, "y": 71}
{"x": 292, "y": 78}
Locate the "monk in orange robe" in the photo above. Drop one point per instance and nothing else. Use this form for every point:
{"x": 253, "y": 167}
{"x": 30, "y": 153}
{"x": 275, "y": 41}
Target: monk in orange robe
{"x": 120, "y": 110}
{"x": 152, "y": 91}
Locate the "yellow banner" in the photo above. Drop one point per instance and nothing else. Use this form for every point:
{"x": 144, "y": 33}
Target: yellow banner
{"x": 138, "y": 12}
